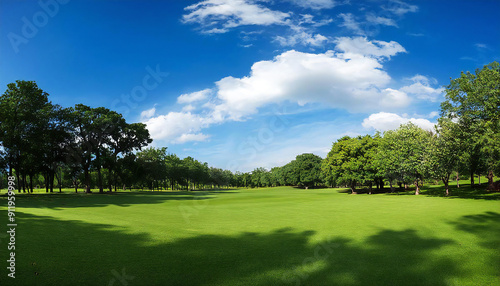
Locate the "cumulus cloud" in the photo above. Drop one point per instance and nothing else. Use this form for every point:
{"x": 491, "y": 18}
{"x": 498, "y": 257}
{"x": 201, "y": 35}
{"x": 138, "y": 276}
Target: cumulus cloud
{"x": 422, "y": 89}
{"x": 361, "y": 46}
{"x": 177, "y": 127}
{"x": 354, "y": 82}
{"x": 194, "y": 96}
{"x": 351, "y": 78}
{"x": 218, "y": 16}
{"x": 384, "y": 121}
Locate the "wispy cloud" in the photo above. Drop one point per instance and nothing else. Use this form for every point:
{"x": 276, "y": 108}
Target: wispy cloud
{"x": 371, "y": 18}
{"x": 218, "y": 16}
{"x": 349, "y": 22}
{"x": 399, "y": 7}
{"x": 315, "y": 4}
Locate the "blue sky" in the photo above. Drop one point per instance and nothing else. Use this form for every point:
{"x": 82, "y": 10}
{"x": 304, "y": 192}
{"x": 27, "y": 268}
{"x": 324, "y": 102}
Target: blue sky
{"x": 247, "y": 83}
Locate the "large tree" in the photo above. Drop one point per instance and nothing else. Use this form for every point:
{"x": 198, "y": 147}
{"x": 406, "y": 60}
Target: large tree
{"x": 406, "y": 151}
{"x": 307, "y": 169}
{"x": 24, "y": 109}
{"x": 473, "y": 100}
{"x": 444, "y": 151}
{"x": 344, "y": 164}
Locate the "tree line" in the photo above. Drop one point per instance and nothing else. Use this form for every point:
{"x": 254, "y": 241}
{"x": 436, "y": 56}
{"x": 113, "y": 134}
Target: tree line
{"x": 39, "y": 138}
{"x": 466, "y": 140}
{"x": 42, "y": 143}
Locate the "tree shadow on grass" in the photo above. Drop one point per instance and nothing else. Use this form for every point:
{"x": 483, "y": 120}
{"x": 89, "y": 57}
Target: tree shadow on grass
{"x": 122, "y": 199}
{"x": 464, "y": 192}
{"x": 55, "y": 252}
{"x": 486, "y": 228}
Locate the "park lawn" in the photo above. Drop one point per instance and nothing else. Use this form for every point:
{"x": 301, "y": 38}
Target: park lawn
{"x": 269, "y": 236}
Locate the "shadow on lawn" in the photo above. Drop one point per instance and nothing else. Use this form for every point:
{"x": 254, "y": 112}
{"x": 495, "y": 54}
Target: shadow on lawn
{"x": 486, "y": 227}
{"x": 464, "y": 192}
{"x": 77, "y": 253}
{"x": 125, "y": 199}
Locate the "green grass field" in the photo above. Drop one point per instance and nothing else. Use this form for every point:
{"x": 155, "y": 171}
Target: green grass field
{"x": 274, "y": 236}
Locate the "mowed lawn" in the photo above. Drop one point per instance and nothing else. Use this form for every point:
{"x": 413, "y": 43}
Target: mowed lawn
{"x": 271, "y": 236}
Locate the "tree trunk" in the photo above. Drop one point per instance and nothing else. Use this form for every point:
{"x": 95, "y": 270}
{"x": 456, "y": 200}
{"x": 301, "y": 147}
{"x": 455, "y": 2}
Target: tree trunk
{"x": 353, "y": 188}
{"x": 417, "y": 191}
{"x": 99, "y": 179}
{"x": 446, "y": 183}
{"x": 46, "y": 178}
{"x": 24, "y": 183}
{"x": 51, "y": 180}
{"x": 458, "y": 181}
{"x": 472, "y": 179}
{"x": 31, "y": 183}
{"x": 392, "y": 187}
{"x": 87, "y": 180}
{"x": 491, "y": 185}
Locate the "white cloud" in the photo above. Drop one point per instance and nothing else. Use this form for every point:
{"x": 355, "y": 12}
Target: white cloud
{"x": 218, "y": 16}
{"x": 399, "y": 7}
{"x": 422, "y": 90}
{"x": 315, "y": 4}
{"x": 433, "y": 114}
{"x": 198, "y": 137}
{"x": 384, "y": 121}
{"x": 361, "y": 46}
{"x": 350, "y": 81}
{"x": 353, "y": 80}
{"x": 309, "y": 19}
{"x": 303, "y": 38}
{"x": 188, "y": 108}
{"x": 146, "y": 114}
{"x": 370, "y": 18}
{"x": 177, "y": 126}
{"x": 194, "y": 96}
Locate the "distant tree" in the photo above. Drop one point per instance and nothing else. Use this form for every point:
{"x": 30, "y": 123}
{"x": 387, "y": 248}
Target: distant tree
{"x": 288, "y": 175}
{"x": 307, "y": 168}
{"x": 258, "y": 178}
{"x": 153, "y": 161}
{"x": 217, "y": 177}
{"x": 175, "y": 170}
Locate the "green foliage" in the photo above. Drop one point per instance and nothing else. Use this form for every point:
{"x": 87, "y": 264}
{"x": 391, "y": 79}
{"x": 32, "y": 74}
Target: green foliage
{"x": 350, "y": 162}
{"x": 403, "y": 153}
{"x": 444, "y": 151}
{"x": 473, "y": 100}
{"x": 307, "y": 168}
